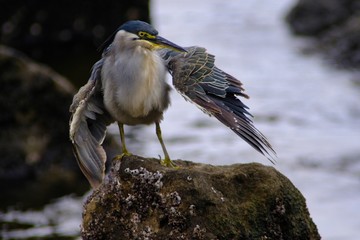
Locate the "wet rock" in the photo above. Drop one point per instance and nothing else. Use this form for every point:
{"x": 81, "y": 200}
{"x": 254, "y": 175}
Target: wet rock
{"x": 141, "y": 199}
{"x": 341, "y": 44}
{"x": 313, "y": 17}
{"x": 37, "y": 162}
{"x": 335, "y": 26}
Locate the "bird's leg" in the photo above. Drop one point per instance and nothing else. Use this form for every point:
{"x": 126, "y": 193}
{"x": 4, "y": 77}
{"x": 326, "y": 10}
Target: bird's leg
{"x": 125, "y": 152}
{"x": 167, "y": 161}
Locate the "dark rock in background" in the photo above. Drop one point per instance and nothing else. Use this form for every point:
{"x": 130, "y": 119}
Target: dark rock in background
{"x": 36, "y": 158}
{"x": 341, "y": 44}
{"x": 143, "y": 200}
{"x": 335, "y": 24}
{"x": 65, "y": 34}
{"x": 314, "y": 17}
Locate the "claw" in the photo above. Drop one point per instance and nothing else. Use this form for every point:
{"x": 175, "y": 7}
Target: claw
{"x": 168, "y": 163}
{"x": 124, "y": 154}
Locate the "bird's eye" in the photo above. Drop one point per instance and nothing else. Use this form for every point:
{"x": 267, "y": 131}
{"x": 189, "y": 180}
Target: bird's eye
{"x": 146, "y": 35}
{"x": 142, "y": 34}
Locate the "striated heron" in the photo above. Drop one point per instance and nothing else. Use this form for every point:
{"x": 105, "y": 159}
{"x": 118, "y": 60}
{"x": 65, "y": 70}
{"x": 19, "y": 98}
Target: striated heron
{"x": 128, "y": 85}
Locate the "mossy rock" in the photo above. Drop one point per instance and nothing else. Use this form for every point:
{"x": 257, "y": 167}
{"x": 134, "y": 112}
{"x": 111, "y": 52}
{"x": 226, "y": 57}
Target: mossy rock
{"x": 141, "y": 199}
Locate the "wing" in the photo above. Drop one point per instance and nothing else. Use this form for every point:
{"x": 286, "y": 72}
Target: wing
{"x": 216, "y": 93}
{"x": 88, "y": 124}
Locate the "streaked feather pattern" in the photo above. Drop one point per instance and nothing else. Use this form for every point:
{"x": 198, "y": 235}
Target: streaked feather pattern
{"x": 216, "y": 93}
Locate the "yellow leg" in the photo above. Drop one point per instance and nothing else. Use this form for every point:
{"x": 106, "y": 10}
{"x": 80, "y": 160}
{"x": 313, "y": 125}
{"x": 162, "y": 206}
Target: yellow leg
{"x": 125, "y": 152}
{"x": 167, "y": 161}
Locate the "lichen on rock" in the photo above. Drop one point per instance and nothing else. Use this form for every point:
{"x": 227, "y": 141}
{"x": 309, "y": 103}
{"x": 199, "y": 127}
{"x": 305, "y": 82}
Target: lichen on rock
{"x": 141, "y": 199}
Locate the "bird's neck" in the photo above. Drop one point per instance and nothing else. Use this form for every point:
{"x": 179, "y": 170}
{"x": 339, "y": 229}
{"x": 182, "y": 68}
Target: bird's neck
{"x": 135, "y": 80}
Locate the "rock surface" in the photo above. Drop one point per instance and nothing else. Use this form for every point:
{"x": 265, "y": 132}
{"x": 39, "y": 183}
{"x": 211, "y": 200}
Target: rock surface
{"x": 335, "y": 24}
{"x": 141, "y": 199}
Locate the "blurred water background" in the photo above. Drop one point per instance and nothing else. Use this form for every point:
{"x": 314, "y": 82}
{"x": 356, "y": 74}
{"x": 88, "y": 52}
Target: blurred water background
{"x": 308, "y": 109}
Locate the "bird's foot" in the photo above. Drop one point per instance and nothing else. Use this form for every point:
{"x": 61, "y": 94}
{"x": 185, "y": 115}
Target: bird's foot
{"x": 124, "y": 154}
{"x": 168, "y": 163}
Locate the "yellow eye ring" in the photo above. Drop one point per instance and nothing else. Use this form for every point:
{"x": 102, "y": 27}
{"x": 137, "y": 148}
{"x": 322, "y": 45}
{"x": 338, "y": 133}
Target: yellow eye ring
{"x": 145, "y": 35}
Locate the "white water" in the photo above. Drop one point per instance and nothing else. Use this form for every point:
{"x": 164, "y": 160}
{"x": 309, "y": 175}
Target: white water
{"x": 316, "y": 131}
{"x": 317, "y": 128}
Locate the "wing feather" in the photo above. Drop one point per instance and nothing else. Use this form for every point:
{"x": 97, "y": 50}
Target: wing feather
{"x": 88, "y": 124}
{"x": 215, "y": 92}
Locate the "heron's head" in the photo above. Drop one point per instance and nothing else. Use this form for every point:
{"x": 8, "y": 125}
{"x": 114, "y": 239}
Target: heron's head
{"x": 139, "y": 33}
